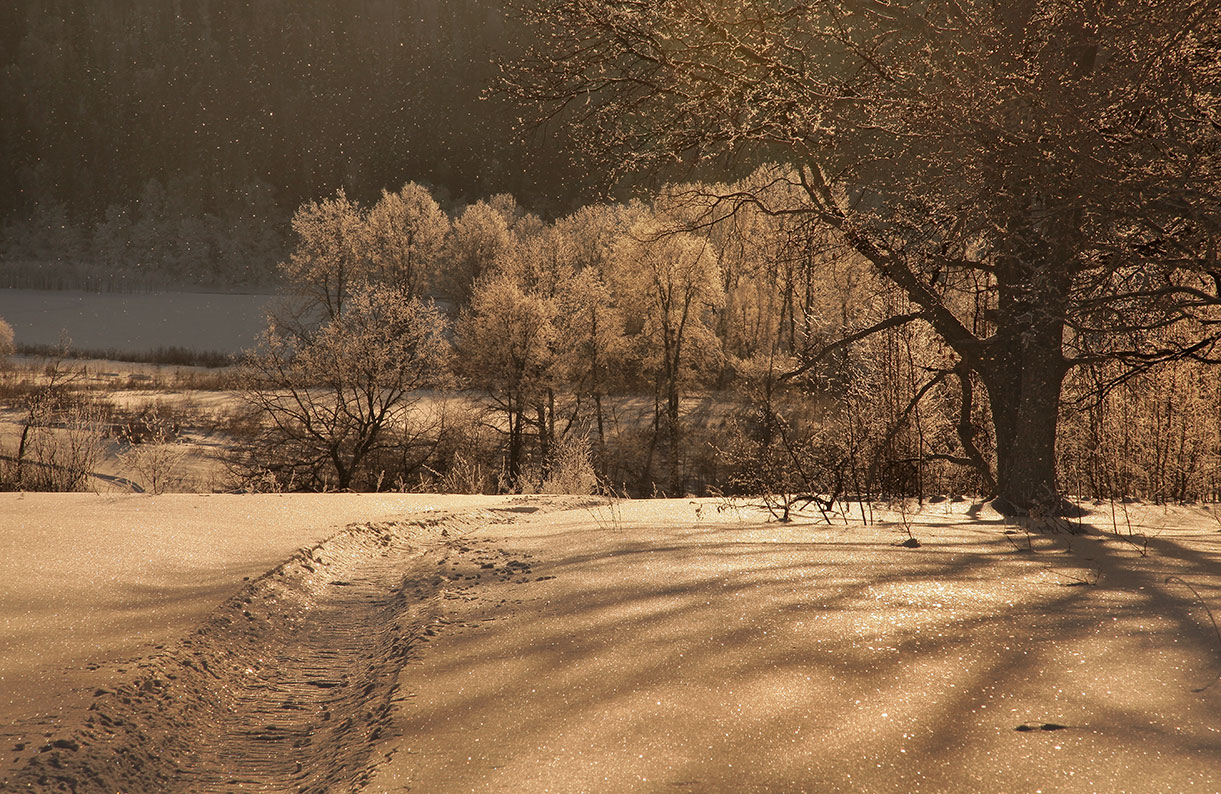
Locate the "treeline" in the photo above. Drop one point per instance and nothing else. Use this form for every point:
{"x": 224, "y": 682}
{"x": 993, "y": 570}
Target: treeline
{"x": 161, "y": 240}
{"x": 207, "y": 120}
{"x": 682, "y": 345}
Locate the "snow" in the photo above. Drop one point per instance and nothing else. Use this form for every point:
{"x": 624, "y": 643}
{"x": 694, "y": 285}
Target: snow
{"x": 678, "y": 648}
{"x": 89, "y": 579}
{"x": 589, "y": 645}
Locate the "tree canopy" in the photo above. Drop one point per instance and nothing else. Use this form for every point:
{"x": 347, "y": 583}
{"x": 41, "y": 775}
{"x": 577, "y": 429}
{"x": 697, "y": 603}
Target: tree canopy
{"x": 1038, "y": 179}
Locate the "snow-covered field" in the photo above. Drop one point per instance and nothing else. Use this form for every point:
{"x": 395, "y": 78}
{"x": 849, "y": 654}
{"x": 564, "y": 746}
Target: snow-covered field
{"x": 574, "y": 644}
{"x": 89, "y": 579}
{"x": 201, "y": 322}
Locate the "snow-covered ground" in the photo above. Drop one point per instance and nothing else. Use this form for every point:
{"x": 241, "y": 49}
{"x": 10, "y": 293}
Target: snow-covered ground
{"x": 572, "y": 644}
{"x": 201, "y": 322}
{"x": 102, "y": 579}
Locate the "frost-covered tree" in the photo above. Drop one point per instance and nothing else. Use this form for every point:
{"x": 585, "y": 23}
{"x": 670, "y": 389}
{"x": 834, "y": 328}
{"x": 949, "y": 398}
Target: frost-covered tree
{"x": 340, "y": 399}
{"x": 1050, "y": 166}
{"x": 668, "y": 285}
{"x": 505, "y": 341}
{"x": 591, "y": 233}
{"x": 329, "y": 261}
{"x": 482, "y": 237}
{"x": 565, "y": 264}
{"x": 593, "y": 349}
{"x": 522, "y": 222}
{"x": 591, "y": 345}
{"x": 7, "y": 345}
{"x": 404, "y": 235}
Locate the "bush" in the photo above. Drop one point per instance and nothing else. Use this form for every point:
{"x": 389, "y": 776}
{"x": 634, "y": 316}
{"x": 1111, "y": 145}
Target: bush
{"x": 152, "y": 449}
{"x": 572, "y": 468}
{"x": 60, "y": 454}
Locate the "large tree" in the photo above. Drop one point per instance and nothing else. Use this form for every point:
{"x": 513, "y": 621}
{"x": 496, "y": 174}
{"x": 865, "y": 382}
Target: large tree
{"x": 1049, "y": 166}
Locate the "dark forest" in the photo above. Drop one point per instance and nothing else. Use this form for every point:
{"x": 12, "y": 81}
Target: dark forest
{"x": 232, "y": 114}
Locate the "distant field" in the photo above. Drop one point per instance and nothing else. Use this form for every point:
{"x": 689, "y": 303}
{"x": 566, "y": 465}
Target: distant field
{"x": 199, "y": 322}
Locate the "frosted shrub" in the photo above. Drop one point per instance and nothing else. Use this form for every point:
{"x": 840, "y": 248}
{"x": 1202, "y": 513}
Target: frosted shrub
{"x": 64, "y": 457}
{"x": 465, "y": 476}
{"x": 154, "y": 454}
{"x": 572, "y": 468}
{"x": 336, "y": 403}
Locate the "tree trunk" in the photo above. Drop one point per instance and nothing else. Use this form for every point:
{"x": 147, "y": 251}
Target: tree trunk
{"x": 646, "y": 485}
{"x": 1024, "y": 379}
{"x": 1022, "y": 365}
{"x": 544, "y": 438}
{"x": 515, "y": 441}
{"x": 343, "y": 474}
{"x": 550, "y": 416}
{"x": 25, "y": 435}
{"x": 601, "y": 427}
{"x": 966, "y": 432}
{"x": 672, "y": 436}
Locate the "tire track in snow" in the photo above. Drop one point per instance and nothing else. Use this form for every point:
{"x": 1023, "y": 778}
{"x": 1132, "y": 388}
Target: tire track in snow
{"x": 289, "y": 686}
